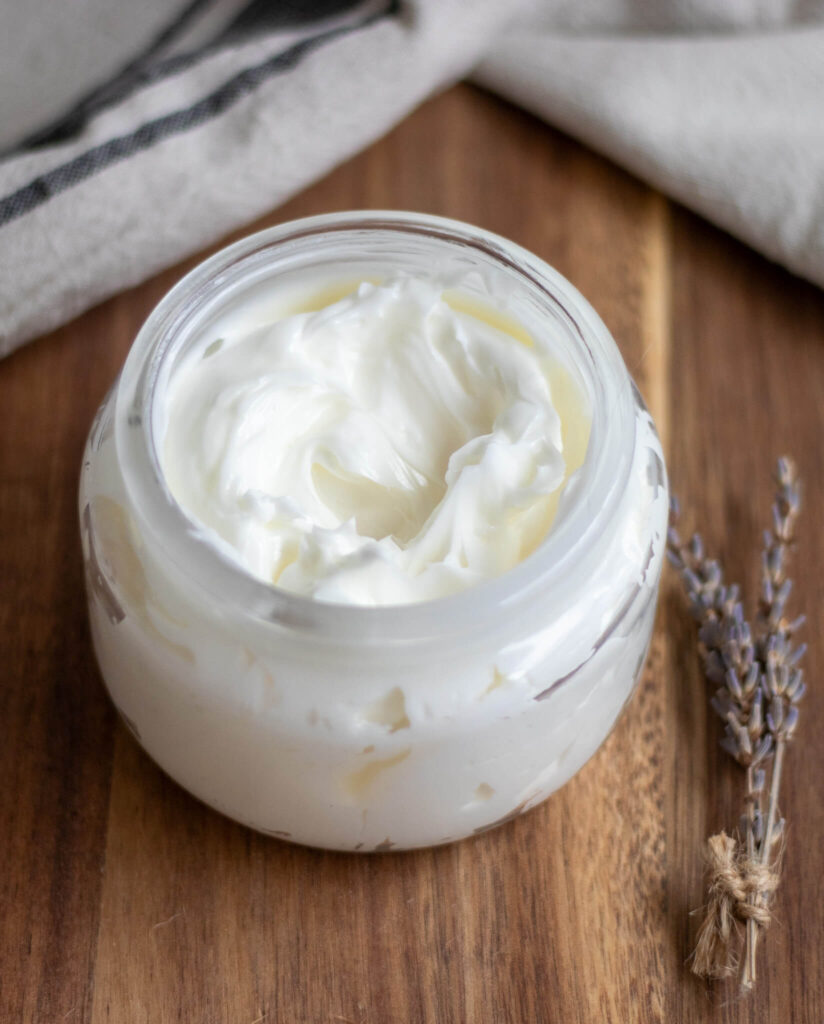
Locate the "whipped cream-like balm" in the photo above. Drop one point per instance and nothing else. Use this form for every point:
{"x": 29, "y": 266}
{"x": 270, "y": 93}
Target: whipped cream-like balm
{"x": 385, "y": 449}
{"x": 373, "y": 524}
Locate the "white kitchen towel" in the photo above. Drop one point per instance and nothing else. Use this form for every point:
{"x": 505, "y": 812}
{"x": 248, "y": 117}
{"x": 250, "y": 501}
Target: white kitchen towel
{"x": 134, "y": 134}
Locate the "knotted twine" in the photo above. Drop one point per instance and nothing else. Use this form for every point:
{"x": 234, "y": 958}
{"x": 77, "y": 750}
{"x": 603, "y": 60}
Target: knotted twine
{"x": 740, "y": 889}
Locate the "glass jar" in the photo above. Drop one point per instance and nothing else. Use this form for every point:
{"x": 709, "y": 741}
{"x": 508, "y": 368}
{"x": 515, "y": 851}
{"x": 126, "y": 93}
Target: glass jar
{"x": 361, "y": 728}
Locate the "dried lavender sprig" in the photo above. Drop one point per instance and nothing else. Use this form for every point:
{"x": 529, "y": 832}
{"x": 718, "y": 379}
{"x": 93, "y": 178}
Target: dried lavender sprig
{"x": 781, "y": 680}
{"x": 728, "y": 655}
{"x": 726, "y": 647}
{"x": 760, "y": 685}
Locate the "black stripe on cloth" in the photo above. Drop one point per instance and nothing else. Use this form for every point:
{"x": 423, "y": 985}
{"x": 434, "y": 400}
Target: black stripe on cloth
{"x": 257, "y": 17}
{"x": 264, "y": 15}
{"x": 94, "y": 160}
{"x": 110, "y": 91}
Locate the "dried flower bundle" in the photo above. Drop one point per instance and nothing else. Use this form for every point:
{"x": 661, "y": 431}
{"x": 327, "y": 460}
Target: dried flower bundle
{"x": 758, "y": 687}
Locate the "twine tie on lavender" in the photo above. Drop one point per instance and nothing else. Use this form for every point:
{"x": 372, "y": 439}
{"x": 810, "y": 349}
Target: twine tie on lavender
{"x": 739, "y": 889}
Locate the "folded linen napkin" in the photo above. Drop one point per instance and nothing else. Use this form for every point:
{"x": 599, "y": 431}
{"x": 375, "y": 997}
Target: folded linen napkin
{"x": 132, "y": 135}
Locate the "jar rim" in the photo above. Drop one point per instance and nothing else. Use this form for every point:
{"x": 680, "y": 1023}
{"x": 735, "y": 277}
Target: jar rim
{"x": 599, "y": 482}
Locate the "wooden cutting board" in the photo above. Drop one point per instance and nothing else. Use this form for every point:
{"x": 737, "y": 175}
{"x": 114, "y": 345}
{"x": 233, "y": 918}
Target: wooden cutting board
{"x": 125, "y": 900}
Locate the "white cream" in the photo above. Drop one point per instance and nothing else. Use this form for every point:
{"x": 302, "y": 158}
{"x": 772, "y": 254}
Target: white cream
{"x": 385, "y": 449}
{"x": 362, "y": 728}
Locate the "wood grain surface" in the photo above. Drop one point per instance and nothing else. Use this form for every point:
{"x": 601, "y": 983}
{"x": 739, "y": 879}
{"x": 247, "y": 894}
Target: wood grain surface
{"x": 124, "y": 900}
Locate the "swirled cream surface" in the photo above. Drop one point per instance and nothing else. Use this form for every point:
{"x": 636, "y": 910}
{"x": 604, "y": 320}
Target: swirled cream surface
{"x": 391, "y": 447}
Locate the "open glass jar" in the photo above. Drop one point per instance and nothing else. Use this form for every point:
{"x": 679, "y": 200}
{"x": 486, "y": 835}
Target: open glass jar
{"x": 370, "y": 728}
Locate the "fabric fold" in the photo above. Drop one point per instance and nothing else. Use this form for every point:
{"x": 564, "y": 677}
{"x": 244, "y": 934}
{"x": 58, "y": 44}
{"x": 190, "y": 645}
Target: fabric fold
{"x": 730, "y": 125}
{"x": 228, "y": 107}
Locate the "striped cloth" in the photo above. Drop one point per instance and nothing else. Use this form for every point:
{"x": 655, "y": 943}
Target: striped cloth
{"x": 132, "y": 135}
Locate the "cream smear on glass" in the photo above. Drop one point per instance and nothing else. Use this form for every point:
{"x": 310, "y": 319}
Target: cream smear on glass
{"x": 399, "y": 444}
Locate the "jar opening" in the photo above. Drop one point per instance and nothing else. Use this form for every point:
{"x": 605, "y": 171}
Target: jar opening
{"x": 534, "y": 292}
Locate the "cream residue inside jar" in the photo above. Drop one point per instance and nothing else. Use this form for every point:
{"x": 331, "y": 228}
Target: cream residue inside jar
{"x": 397, "y": 445}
